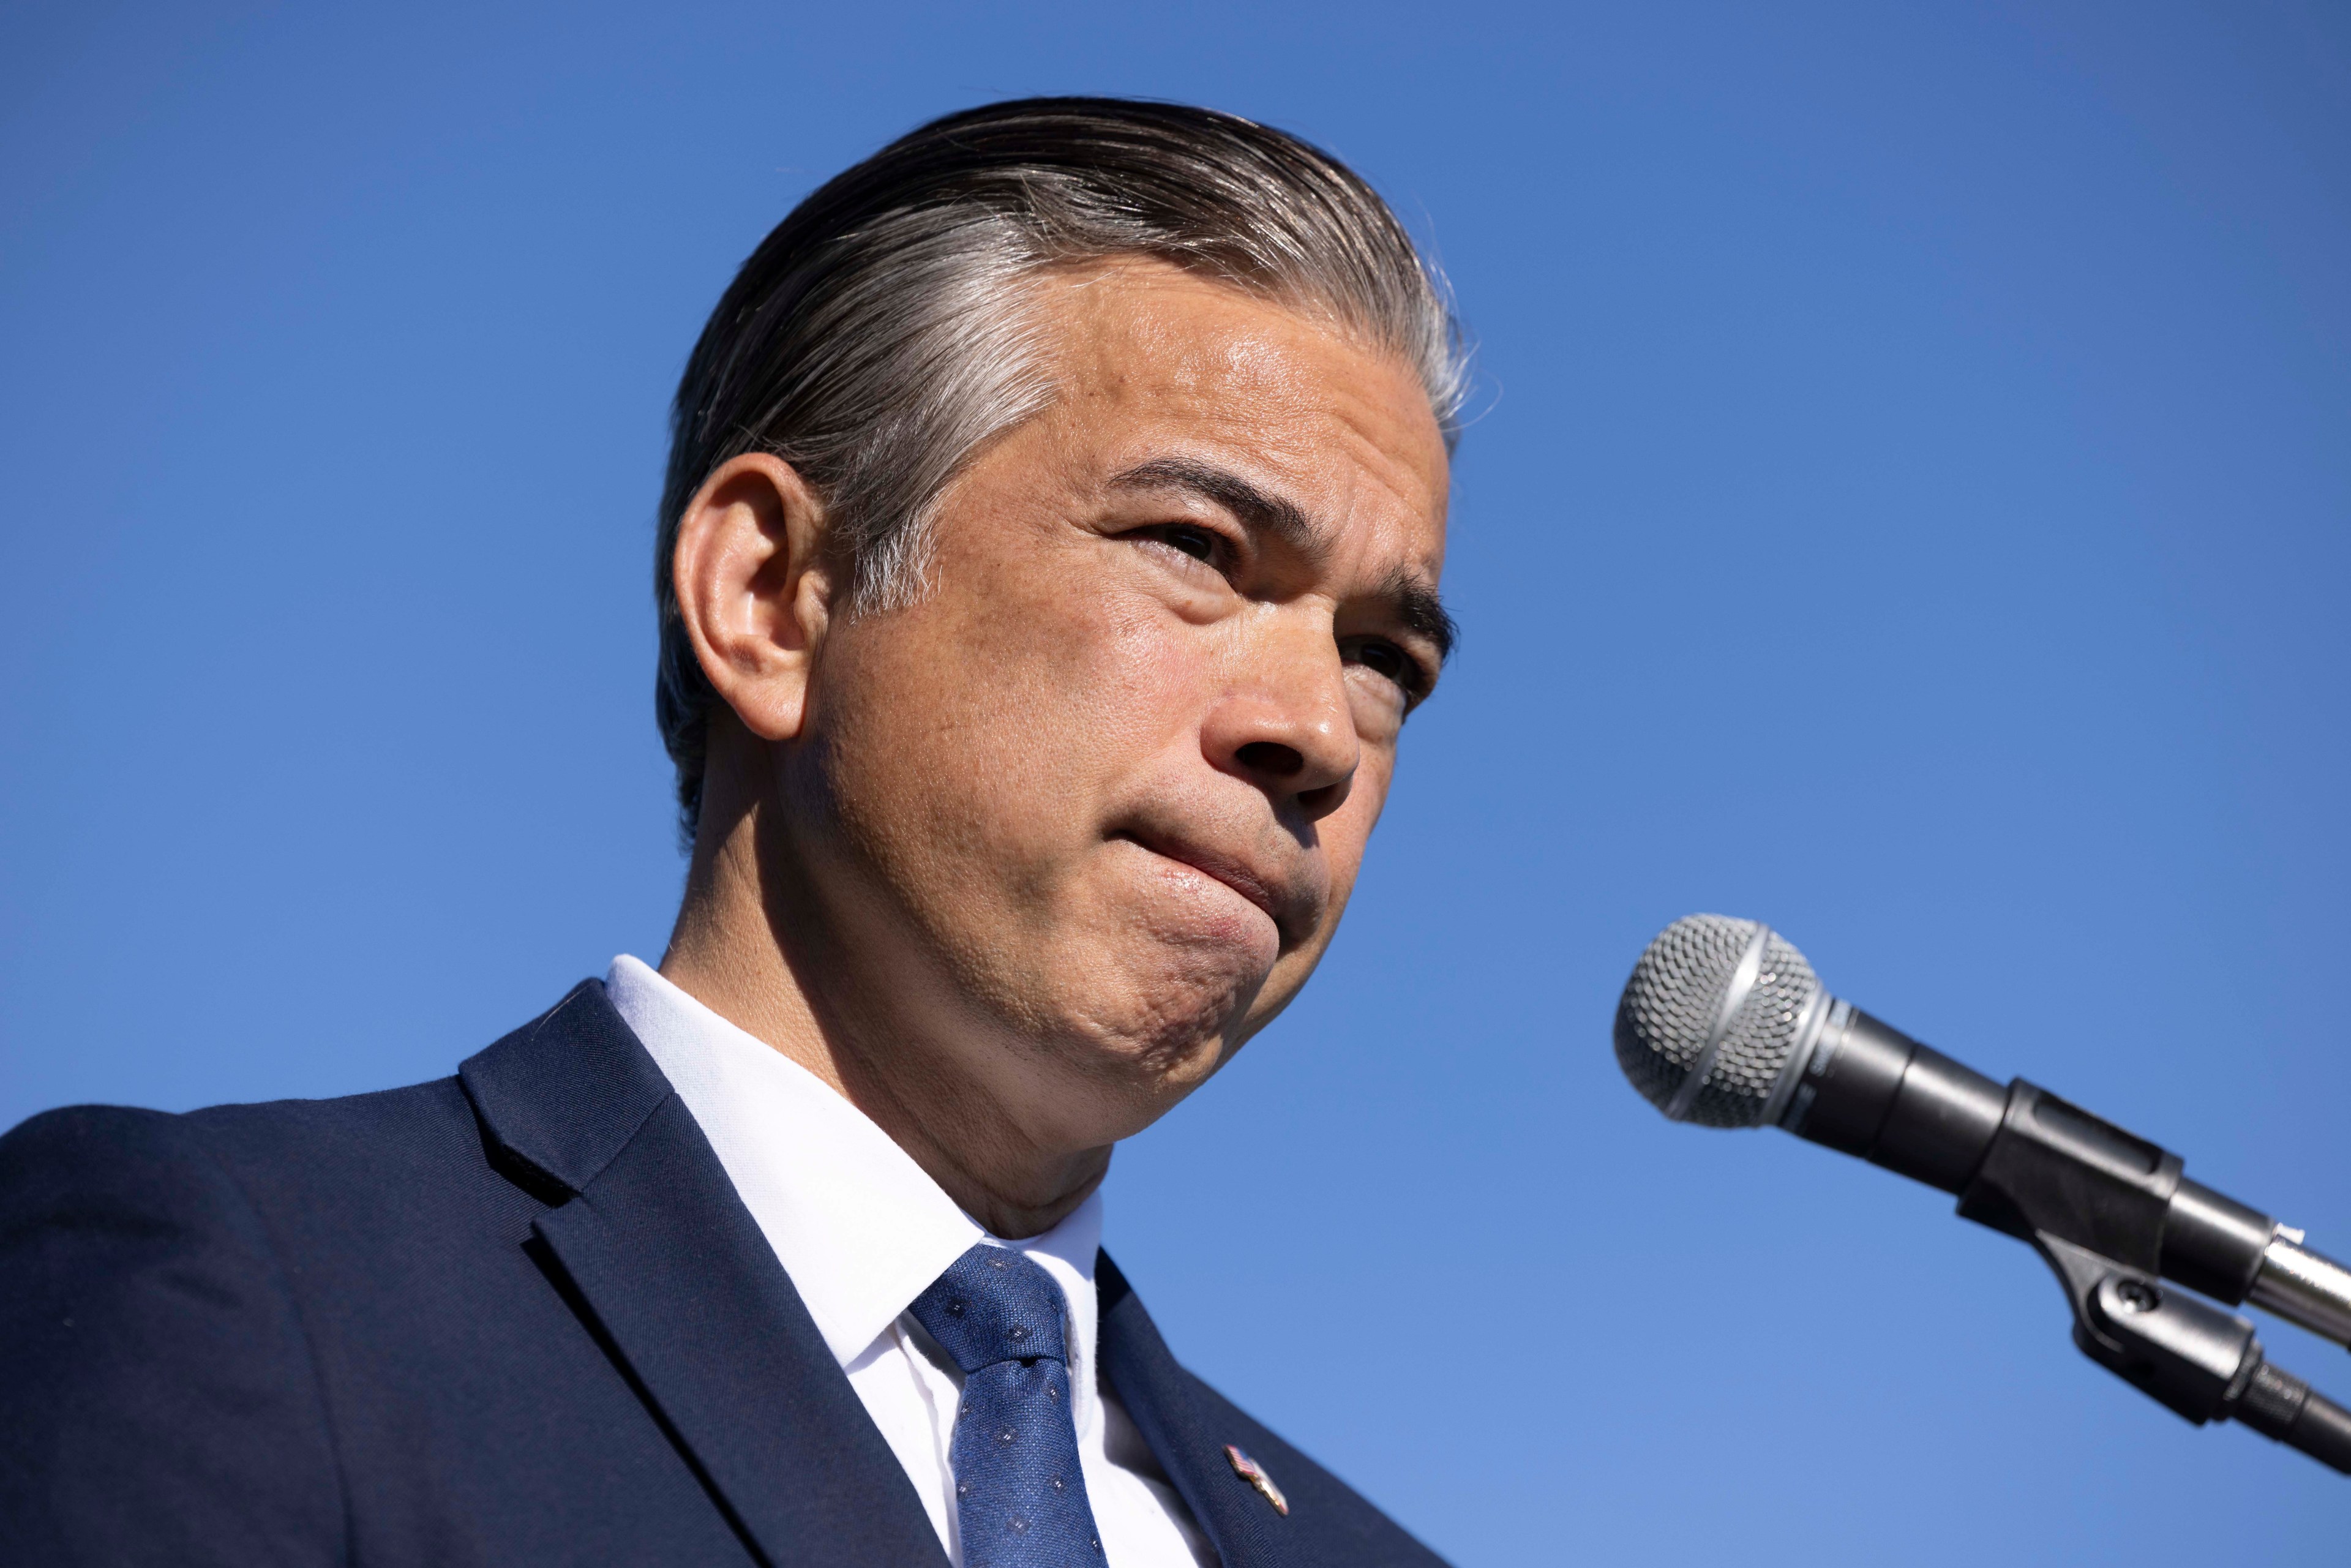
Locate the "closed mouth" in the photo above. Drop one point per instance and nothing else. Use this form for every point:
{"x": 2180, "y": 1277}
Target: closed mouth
{"x": 1223, "y": 869}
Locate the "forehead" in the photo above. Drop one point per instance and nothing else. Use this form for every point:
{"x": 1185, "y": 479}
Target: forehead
{"x": 1151, "y": 361}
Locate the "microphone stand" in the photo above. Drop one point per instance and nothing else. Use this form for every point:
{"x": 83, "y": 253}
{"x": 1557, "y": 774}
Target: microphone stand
{"x": 2095, "y": 1203}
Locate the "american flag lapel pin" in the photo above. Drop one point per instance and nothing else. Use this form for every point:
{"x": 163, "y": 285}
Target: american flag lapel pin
{"x": 1249, "y": 1470}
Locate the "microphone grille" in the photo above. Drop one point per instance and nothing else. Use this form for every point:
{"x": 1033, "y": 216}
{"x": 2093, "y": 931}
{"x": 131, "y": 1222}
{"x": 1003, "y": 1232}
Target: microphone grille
{"x": 1707, "y": 1038}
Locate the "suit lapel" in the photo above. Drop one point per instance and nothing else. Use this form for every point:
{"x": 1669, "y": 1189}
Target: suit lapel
{"x": 689, "y": 1295}
{"x": 1159, "y": 1396}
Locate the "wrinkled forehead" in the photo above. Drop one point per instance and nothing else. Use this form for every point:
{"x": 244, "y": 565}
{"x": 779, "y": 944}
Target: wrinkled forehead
{"x": 1152, "y": 364}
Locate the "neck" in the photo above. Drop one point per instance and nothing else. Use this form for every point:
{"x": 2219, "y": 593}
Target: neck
{"x": 751, "y": 946}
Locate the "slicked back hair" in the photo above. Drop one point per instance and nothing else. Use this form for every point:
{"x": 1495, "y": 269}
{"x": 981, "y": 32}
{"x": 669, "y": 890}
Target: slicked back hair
{"x": 885, "y": 331}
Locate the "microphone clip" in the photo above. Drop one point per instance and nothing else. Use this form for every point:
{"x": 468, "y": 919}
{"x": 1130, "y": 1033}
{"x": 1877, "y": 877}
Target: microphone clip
{"x": 2190, "y": 1356}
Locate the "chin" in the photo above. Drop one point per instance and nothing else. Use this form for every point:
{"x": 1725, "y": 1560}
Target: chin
{"x": 1164, "y": 1025}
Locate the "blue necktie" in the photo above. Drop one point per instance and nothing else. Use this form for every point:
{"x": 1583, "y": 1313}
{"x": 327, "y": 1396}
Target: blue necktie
{"x": 1020, "y": 1496}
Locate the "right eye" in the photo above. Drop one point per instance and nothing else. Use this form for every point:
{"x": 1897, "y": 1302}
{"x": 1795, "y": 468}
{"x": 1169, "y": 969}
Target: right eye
{"x": 1203, "y": 544}
{"x": 1194, "y": 542}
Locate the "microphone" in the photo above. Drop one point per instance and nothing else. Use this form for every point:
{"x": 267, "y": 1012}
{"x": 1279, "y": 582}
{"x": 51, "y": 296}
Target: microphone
{"x": 1723, "y": 1023}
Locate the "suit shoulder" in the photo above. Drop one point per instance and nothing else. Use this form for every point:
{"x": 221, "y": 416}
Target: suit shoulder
{"x": 421, "y": 1117}
{"x": 319, "y": 1177}
{"x": 80, "y": 1134}
{"x": 158, "y": 1400}
{"x": 100, "y": 1153}
{"x": 227, "y": 1172}
{"x": 341, "y": 1179}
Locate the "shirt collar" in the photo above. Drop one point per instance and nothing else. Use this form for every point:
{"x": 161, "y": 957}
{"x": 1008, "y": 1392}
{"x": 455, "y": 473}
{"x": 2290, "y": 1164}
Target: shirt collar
{"x": 859, "y": 1226}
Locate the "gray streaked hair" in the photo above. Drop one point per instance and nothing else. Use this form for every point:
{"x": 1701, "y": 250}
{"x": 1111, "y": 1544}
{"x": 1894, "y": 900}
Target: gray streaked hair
{"x": 882, "y": 333}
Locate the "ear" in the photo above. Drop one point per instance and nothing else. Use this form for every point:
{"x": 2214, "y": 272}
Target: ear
{"x": 754, "y": 589}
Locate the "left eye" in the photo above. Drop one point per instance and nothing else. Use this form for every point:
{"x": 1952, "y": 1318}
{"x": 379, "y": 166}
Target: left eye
{"x": 1386, "y": 660}
{"x": 1198, "y": 543}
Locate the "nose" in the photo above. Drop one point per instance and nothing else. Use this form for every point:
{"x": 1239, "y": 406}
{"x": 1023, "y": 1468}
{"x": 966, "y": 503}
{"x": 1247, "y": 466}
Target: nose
{"x": 1284, "y": 723}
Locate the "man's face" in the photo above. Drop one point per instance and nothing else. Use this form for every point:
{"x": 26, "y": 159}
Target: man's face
{"x": 1092, "y": 807}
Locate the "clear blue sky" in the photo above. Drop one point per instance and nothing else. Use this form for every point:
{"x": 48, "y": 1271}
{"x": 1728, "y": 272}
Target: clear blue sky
{"x": 1912, "y": 504}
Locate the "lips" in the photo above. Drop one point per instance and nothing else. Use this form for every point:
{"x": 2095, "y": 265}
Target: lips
{"x": 1292, "y": 904}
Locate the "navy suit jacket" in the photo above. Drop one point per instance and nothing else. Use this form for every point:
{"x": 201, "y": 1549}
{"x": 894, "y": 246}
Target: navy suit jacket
{"x": 516, "y": 1317}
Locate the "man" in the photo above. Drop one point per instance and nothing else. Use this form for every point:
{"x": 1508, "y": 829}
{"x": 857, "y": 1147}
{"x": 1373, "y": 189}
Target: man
{"x": 1048, "y": 565}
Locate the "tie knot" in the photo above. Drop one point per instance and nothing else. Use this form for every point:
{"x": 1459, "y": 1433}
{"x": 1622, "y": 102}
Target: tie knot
{"x": 991, "y": 1305}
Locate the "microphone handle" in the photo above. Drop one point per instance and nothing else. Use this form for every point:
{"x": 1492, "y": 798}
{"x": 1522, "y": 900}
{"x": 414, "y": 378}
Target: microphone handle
{"x": 1867, "y": 1089}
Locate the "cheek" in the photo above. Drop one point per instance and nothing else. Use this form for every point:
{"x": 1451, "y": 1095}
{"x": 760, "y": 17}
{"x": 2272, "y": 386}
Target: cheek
{"x": 1377, "y": 709}
{"x": 1347, "y": 831}
{"x": 1345, "y": 834}
{"x": 1105, "y": 673}
{"x": 1003, "y": 718}
{"x": 1093, "y": 691}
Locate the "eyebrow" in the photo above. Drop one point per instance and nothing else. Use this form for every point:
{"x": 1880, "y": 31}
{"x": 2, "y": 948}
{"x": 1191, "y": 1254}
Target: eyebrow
{"x": 1423, "y": 611}
{"x": 1260, "y": 512}
{"x": 1415, "y": 598}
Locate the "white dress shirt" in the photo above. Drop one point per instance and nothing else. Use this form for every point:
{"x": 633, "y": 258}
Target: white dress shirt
{"x": 862, "y": 1231}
